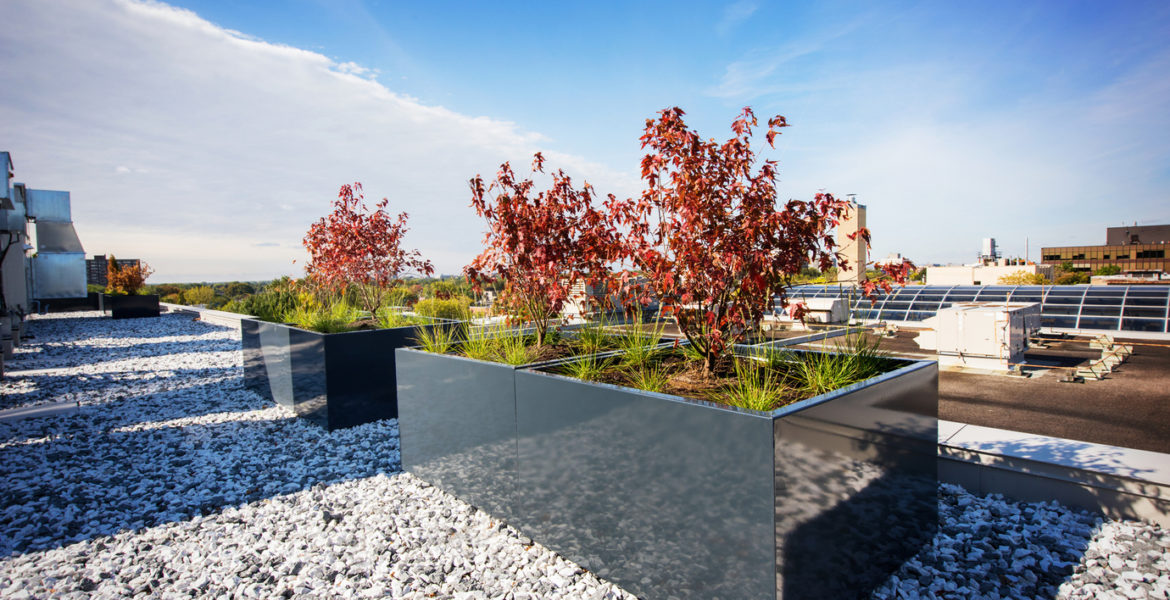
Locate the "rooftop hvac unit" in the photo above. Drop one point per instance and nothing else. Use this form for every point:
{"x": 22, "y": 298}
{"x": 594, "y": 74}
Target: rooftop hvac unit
{"x": 983, "y": 335}
{"x": 816, "y": 310}
{"x": 58, "y": 269}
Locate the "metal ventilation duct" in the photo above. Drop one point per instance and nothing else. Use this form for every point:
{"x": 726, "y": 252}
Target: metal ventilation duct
{"x": 57, "y": 238}
{"x": 59, "y": 265}
{"x": 6, "y": 190}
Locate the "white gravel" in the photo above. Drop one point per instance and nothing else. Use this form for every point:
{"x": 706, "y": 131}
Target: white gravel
{"x": 174, "y": 481}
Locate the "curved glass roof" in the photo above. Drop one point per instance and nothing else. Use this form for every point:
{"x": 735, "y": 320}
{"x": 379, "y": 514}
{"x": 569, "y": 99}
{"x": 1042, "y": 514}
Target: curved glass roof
{"x": 1141, "y": 308}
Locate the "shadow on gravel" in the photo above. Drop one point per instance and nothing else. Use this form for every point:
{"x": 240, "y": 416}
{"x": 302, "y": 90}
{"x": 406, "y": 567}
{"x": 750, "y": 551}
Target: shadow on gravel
{"x": 88, "y": 387}
{"x": 164, "y": 325}
{"x": 88, "y": 482}
{"x": 996, "y": 549}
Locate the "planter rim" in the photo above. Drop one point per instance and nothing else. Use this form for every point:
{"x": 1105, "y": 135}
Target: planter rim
{"x": 534, "y": 365}
{"x": 434, "y": 321}
{"x": 911, "y": 366}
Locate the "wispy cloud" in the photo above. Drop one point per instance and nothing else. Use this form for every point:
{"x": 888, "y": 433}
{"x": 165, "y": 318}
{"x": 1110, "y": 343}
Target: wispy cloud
{"x": 734, "y": 14}
{"x": 230, "y": 139}
{"x": 763, "y": 70}
{"x": 925, "y": 139}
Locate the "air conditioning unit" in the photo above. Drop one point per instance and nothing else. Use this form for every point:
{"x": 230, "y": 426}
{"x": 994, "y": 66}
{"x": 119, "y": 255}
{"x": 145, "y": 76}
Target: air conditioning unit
{"x": 982, "y": 335}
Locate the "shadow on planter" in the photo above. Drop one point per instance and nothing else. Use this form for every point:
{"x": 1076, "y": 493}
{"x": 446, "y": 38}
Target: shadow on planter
{"x": 335, "y": 380}
{"x": 129, "y": 307}
{"x": 673, "y": 497}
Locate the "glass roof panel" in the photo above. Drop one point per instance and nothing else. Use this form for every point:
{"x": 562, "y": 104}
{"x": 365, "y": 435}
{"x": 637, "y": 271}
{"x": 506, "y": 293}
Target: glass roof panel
{"x": 1152, "y": 325}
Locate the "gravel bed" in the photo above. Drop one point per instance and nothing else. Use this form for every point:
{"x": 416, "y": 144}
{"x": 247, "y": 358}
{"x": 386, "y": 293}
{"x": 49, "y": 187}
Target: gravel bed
{"x": 174, "y": 481}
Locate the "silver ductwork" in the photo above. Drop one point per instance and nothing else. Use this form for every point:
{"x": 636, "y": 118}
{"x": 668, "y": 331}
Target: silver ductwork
{"x": 58, "y": 269}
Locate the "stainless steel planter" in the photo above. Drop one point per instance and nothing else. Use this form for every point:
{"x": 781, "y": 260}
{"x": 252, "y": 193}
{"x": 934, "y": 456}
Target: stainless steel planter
{"x": 130, "y": 307}
{"x": 457, "y": 426}
{"x": 671, "y": 497}
{"x": 335, "y": 380}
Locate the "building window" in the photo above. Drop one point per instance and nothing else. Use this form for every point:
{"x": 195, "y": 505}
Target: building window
{"x": 1105, "y": 257}
{"x": 1122, "y": 257}
{"x": 1080, "y": 256}
{"x": 1152, "y": 254}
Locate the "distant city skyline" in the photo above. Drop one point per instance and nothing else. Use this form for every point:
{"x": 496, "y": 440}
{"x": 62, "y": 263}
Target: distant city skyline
{"x": 204, "y": 137}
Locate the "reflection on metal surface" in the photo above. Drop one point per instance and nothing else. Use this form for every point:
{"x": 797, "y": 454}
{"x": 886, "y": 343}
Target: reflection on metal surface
{"x": 130, "y": 307}
{"x": 48, "y": 205}
{"x": 866, "y": 464}
{"x": 671, "y": 497}
{"x": 275, "y": 350}
{"x": 665, "y": 498}
{"x": 57, "y": 238}
{"x": 58, "y": 276}
{"x": 457, "y": 426}
{"x": 335, "y": 380}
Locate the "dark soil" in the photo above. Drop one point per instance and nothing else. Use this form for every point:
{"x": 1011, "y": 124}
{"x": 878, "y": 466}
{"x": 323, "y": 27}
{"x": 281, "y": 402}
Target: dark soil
{"x": 364, "y": 325}
{"x": 686, "y": 377}
{"x": 555, "y": 351}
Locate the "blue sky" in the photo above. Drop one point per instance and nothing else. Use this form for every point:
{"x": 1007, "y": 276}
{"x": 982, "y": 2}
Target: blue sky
{"x": 206, "y": 136}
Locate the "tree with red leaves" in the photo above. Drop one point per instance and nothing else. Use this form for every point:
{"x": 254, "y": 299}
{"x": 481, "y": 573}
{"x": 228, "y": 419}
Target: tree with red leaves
{"x": 541, "y": 244}
{"x": 708, "y": 233}
{"x": 353, "y": 247}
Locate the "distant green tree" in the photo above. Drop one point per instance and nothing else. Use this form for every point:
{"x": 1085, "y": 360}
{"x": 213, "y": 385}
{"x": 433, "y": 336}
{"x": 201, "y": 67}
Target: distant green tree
{"x": 199, "y": 295}
{"x": 236, "y": 289}
{"x": 1023, "y": 277}
{"x": 1072, "y": 278}
{"x": 1108, "y": 270}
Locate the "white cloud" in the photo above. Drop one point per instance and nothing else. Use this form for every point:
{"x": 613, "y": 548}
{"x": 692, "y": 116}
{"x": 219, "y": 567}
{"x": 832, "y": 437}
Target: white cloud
{"x": 734, "y": 14}
{"x": 352, "y": 68}
{"x": 939, "y": 169}
{"x": 232, "y": 140}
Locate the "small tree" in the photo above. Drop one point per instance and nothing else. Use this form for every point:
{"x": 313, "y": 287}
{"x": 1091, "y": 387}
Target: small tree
{"x": 353, "y": 247}
{"x": 1023, "y": 277}
{"x": 200, "y": 294}
{"x": 125, "y": 280}
{"x": 709, "y": 235}
{"x": 541, "y": 244}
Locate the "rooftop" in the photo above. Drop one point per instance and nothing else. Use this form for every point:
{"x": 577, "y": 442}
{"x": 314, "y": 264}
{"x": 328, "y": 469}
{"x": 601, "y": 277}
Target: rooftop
{"x": 165, "y": 475}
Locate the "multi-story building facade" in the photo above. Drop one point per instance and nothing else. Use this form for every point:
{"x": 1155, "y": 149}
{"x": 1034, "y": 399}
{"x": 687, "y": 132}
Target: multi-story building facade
{"x": 1138, "y": 251}
{"x": 95, "y": 268}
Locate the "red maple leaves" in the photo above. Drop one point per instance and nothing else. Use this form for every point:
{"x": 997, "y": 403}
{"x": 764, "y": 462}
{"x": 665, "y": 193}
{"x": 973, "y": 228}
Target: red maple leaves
{"x": 542, "y": 243}
{"x": 707, "y": 238}
{"x": 708, "y": 232}
{"x": 353, "y": 247}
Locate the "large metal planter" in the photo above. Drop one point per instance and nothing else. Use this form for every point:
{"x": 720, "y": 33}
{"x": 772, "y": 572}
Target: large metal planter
{"x": 457, "y": 426}
{"x": 671, "y": 497}
{"x": 335, "y": 380}
{"x": 130, "y": 307}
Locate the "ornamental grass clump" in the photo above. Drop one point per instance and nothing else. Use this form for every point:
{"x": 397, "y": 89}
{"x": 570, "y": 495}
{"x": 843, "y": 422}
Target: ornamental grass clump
{"x": 333, "y": 318}
{"x": 648, "y": 377}
{"x": 754, "y": 387}
{"x": 438, "y": 340}
{"x": 389, "y": 318}
{"x": 854, "y": 361}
